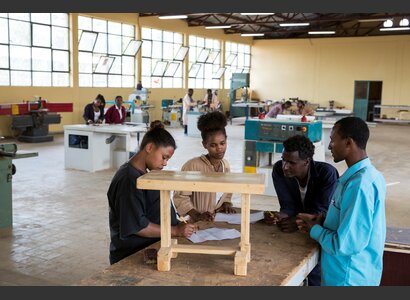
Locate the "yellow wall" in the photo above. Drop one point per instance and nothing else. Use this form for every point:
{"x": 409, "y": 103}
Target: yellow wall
{"x": 325, "y": 69}
{"x": 81, "y": 96}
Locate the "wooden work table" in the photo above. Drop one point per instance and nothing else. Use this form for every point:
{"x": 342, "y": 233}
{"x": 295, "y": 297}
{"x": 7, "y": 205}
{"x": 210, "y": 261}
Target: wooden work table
{"x": 277, "y": 258}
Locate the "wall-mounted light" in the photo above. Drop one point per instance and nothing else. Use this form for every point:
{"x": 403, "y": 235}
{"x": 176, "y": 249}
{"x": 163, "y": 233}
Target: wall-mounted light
{"x": 257, "y": 14}
{"x": 173, "y": 17}
{"x": 394, "y": 28}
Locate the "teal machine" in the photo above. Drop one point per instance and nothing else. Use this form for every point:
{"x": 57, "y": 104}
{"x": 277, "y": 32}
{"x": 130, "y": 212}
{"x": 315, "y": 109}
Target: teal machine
{"x": 264, "y": 137}
{"x": 8, "y": 152}
{"x": 238, "y": 81}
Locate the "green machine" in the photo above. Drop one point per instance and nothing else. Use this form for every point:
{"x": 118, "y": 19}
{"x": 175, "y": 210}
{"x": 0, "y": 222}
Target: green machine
{"x": 238, "y": 81}
{"x": 8, "y": 152}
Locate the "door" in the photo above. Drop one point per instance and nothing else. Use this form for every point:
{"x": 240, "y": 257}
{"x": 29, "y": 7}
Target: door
{"x": 367, "y": 94}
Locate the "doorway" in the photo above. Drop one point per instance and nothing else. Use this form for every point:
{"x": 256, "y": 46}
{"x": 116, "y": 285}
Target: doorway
{"x": 367, "y": 94}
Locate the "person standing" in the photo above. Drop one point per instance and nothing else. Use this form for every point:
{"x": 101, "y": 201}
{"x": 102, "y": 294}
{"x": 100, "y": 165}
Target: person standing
{"x": 116, "y": 113}
{"x": 187, "y": 104}
{"x": 353, "y": 232}
{"x": 302, "y": 185}
{"x": 134, "y": 214}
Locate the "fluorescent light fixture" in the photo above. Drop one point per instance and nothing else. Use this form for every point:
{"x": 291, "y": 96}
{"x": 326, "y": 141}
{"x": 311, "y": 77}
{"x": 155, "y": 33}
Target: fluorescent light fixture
{"x": 252, "y": 34}
{"x": 322, "y": 32}
{"x": 173, "y": 17}
{"x": 394, "y": 28}
{"x": 218, "y": 27}
{"x": 257, "y": 14}
{"x": 294, "y": 24}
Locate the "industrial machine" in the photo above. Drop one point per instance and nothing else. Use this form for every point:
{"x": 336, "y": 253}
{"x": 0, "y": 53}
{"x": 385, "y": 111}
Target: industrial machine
{"x": 264, "y": 138}
{"x": 8, "y": 152}
{"x": 33, "y": 117}
{"x": 171, "y": 113}
{"x": 238, "y": 81}
{"x": 139, "y": 106}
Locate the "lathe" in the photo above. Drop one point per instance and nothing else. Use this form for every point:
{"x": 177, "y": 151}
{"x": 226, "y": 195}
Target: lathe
{"x": 33, "y": 118}
{"x": 8, "y": 152}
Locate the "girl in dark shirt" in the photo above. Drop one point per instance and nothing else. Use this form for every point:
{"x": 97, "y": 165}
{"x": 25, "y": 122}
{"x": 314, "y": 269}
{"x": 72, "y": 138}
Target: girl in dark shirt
{"x": 134, "y": 214}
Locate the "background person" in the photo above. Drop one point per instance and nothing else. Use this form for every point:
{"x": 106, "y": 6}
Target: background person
{"x": 94, "y": 112}
{"x": 187, "y": 104}
{"x": 116, "y": 113}
{"x": 278, "y": 108}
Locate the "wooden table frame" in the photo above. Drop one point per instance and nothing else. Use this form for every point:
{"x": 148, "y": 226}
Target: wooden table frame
{"x": 168, "y": 181}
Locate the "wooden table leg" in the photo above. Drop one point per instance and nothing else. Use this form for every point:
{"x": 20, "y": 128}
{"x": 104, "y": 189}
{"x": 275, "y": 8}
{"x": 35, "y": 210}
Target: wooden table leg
{"x": 243, "y": 256}
{"x": 165, "y": 253}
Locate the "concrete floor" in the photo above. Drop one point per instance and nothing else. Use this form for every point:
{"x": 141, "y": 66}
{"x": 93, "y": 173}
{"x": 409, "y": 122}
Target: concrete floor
{"x": 60, "y": 229}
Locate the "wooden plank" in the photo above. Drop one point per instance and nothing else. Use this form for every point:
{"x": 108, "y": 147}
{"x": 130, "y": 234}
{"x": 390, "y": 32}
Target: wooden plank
{"x": 165, "y": 219}
{"x": 203, "y": 182}
{"x": 204, "y": 249}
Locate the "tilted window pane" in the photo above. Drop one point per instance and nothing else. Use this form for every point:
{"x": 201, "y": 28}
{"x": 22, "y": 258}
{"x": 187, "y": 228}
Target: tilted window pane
{"x": 20, "y": 33}
{"x": 101, "y": 44}
{"x": 60, "y": 61}
{"x": 104, "y": 64}
{"x": 87, "y": 41}
{"x": 60, "y": 38}
{"x": 41, "y": 35}
{"x": 132, "y": 48}
{"x": 116, "y": 65}
{"x": 41, "y": 60}
{"x": 20, "y": 58}
{"x": 41, "y": 78}
{"x": 43, "y": 18}
{"x": 20, "y": 78}
{"x": 4, "y": 56}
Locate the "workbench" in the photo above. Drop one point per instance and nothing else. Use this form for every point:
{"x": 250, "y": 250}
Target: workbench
{"x": 86, "y": 148}
{"x": 278, "y": 259}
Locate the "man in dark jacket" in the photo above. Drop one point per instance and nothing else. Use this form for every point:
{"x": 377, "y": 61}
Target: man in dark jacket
{"x": 302, "y": 185}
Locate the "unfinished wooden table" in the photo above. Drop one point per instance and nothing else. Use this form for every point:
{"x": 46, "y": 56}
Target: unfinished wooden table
{"x": 168, "y": 181}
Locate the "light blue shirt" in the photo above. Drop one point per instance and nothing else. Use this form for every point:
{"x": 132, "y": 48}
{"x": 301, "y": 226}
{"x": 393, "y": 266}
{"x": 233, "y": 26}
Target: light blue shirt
{"x": 353, "y": 234}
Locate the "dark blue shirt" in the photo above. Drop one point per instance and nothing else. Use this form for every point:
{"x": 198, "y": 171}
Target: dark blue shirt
{"x": 322, "y": 183}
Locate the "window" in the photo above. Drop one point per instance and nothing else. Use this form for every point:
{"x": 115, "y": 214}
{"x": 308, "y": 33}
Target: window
{"x": 204, "y": 62}
{"x": 106, "y": 53}
{"x": 34, "y": 49}
{"x": 237, "y": 60}
{"x": 162, "y": 56}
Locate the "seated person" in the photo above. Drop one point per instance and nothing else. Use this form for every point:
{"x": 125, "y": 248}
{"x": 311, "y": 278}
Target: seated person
{"x": 203, "y": 205}
{"x": 302, "y": 185}
{"x": 134, "y": 214}
{"x": 278, "y": 109}
{"x": 93, "y": 112}
{"x": 116, "y": 113}
{"x": 303, "y": 108}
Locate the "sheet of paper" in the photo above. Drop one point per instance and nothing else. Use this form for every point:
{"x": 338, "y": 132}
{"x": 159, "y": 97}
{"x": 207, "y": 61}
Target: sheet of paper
{"x": 214, "y": 234}
{"x": 236, "y": 218}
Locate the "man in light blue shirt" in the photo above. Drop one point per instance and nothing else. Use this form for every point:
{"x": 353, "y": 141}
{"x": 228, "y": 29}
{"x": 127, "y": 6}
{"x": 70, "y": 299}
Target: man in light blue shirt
{"x": 353, "y": 232}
